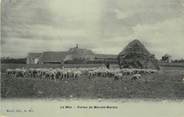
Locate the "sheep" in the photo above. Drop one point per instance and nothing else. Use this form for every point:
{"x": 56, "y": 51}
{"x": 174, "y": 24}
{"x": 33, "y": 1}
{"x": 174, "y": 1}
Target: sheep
{"x": 136, "y": 77}
{"x": 75, "y": 73}
{"x": 118, "y": 76}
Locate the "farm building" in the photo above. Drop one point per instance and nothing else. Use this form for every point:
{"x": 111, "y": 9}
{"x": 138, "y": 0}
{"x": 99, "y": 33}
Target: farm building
{"x": 105, "y": 58}
{"x": 135, "y": 55}
{"x": 52, "y": 57}
{"x": 73, "y": 55}
{"x": 33, "y": 58}
{"x": 79, "y": 55}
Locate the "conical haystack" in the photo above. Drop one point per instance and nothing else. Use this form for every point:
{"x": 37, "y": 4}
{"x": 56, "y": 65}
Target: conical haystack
{"x": 135, "y": 55}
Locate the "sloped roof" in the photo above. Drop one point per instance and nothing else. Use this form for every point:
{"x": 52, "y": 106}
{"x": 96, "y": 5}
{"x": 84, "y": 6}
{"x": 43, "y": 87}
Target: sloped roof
{"x": 105, "y": 56}
{"x": 135, "y": 47}
{"x": 52, "y": 56}
{"x": 34, "y": 55}
{"x": 79, "y": 52}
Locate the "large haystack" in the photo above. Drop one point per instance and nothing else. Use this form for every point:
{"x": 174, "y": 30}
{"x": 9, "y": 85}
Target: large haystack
{"x": 135, "y": 55}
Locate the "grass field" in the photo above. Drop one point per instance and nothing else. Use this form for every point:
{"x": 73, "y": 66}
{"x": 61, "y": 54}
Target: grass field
{"x": 165, "y": 84}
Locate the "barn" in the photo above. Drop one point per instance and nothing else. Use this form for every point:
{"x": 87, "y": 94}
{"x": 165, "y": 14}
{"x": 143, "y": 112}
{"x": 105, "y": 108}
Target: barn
{"x": 106, "y": 58}
{"x": 52, "y": 57}
{"x": 73, "y": 55}
{"x": 135, "y": 55}
{"x": 33, "y": 58}
{"x": 79, "y": 55}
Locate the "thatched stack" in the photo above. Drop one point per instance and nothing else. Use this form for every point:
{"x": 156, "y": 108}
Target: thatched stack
{"x": 135, "y": 55}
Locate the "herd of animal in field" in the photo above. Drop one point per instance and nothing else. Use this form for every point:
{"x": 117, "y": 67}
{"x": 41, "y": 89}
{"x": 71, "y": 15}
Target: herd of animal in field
{"x": 76, "y": 73}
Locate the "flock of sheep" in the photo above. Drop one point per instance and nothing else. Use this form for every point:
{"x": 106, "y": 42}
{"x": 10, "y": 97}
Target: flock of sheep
{"x": 76, "y": 73}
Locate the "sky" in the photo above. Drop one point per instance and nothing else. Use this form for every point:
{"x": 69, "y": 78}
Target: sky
{"x": 104, "y": 26}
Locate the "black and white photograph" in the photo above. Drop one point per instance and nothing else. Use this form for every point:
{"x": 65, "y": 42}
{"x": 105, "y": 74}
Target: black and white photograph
{"x": 90, "y": 58}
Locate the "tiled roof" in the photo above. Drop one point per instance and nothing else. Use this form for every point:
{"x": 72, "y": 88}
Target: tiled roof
{"x": 52, "y": 56}
{"x": 34, "y": 55}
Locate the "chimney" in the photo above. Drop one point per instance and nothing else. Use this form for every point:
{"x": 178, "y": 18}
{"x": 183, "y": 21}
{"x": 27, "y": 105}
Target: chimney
{"x": 77, "y": 46}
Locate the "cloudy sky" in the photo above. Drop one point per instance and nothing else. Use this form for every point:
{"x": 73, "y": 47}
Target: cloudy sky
{"x": 105, "y": 26}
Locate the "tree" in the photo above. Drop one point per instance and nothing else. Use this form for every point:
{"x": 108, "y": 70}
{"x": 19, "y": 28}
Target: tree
{"x": 166, "y": 58}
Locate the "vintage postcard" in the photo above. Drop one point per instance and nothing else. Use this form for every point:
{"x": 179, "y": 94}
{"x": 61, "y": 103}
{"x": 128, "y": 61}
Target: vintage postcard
{"x": 92, "y": 58}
